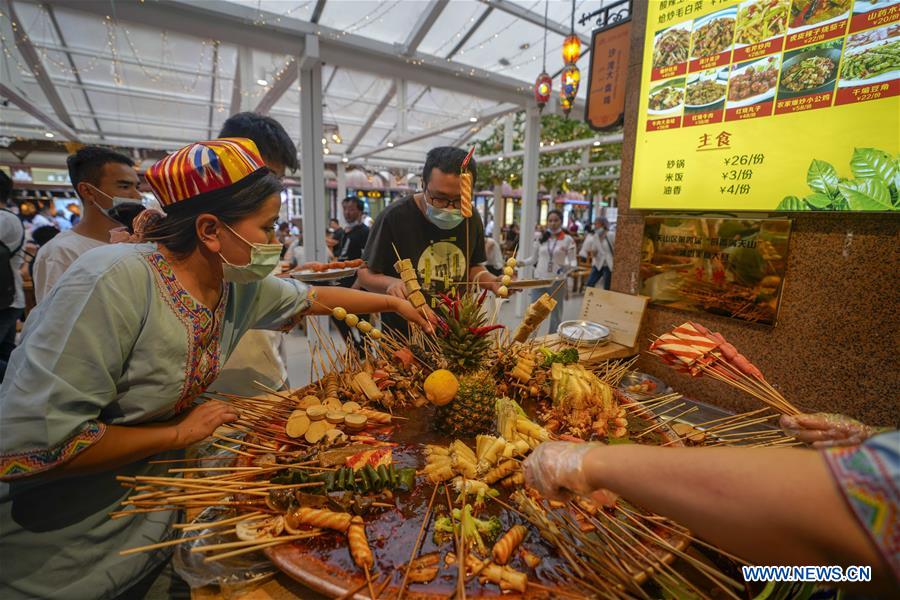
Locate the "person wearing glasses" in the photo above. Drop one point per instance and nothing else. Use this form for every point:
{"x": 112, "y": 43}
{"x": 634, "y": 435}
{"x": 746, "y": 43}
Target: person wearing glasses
{"x": 429, "y": 229}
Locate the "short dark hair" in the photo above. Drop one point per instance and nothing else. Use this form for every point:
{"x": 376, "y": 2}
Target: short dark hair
{"x": 448, "y": 159}
{"x": 44, "y": 234}
{"x": 355, "y": 200}
{"x": 178, "y": 233}
{"x": 271, "y": 139}
{"x": 6, "y": 186}
{"x": 87, "y": 164}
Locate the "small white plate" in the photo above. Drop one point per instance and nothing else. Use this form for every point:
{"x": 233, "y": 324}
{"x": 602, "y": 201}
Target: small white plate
{"x": 329, "y": 275}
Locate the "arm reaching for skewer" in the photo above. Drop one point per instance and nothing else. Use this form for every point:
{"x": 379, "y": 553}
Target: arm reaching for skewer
{"x": 770, "y": 506}
{"x": 356, "y": 301}
{"x": 380, "y": 283}
{"x": 824, "y": 430}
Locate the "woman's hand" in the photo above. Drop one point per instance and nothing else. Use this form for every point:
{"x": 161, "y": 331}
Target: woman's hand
{"x": 423, "y": 317}
{"x": 824, "y": 430}
{"x": 201, "y": 421}
{"x": 556, "y": 470}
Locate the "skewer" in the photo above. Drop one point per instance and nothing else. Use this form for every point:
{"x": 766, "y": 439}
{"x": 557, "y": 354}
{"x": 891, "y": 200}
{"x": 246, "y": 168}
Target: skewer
{"x": 214, "y": 524}
{"x": 246, "y": 543}
{"x": 166, "y": 544}
{"x": 276, "y": 542}
{"x": 235, "y": 450}
{"x": 372, "y": 593}
{"x": 225, "y": 438}
{"x": 415, "y": 550}
{"x": 460, "y": 549}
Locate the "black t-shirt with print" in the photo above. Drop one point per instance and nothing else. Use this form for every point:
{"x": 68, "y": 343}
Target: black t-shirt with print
{"x": 439, "y": 255}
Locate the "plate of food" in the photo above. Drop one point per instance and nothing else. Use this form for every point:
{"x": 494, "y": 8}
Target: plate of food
{"x": 705, "y": 90}
{"x": 809, "y": 72}
{"x": 808, "y": 14}
{"x": 333, "y": 271}
{"x": 874, "y": 63}
{"x": 713, "y": 33}
{"x": 529, "y": 283}
{"x": 666, "y": 98}
{"x": 760, "y": 20}
{"x": 753, "y": 83}
{"x": 671, "y": 46}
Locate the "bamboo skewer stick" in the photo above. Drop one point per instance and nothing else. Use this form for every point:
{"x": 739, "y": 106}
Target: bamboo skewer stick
{"x": 275, "y": 542}
{"x": 246, "y": 543}
{"x": 372, "y": 593}
{"x": 225, "y": 438}
{"x": 214, "y": 524}
{"x": 415, "y": 550}
{"x": 235, "y": 450}
{"x": 168, "y": 543}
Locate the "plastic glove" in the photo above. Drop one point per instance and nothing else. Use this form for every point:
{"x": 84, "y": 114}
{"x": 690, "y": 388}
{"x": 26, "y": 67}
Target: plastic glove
{"x": 824, "y": 430}
{"x": 556, "y": 470}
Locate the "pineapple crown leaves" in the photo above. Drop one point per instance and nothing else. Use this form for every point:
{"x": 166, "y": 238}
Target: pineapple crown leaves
{"x": 456, "y": 310}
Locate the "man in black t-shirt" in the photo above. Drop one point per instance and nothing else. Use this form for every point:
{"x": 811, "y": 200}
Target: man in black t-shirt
{"x": 428, "y": 228}
{"x": 353, "y": 241}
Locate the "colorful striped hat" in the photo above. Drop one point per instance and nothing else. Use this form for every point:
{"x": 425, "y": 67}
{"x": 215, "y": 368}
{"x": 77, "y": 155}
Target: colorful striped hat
{"x": 200, "y": 175}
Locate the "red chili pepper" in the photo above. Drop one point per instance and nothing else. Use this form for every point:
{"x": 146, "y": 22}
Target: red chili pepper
{"x": 482, "y": 297}
{"x": 447, "y": 300}
{"x": 482, "y": 331}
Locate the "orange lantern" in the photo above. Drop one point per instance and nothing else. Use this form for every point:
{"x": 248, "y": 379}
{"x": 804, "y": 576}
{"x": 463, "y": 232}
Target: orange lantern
{"x": 571, "y": 49}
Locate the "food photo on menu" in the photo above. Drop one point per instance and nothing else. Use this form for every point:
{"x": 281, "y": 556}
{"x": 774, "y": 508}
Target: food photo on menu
{"x": 871, "y": 57}
{"x": 671, "y": 46}
{"x": 666, "y": 98}
{"x": 706, "y": 90}
{"x": 753, "y": 82}
{"x": 713, "y": 34}
{"x": 813, "y": 13}
{"x": 810, "y": 70}
{"x": 760, "y": 20}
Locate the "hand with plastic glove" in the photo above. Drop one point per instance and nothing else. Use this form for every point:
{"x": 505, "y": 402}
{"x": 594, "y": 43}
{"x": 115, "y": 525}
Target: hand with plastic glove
{"x": 824, "y": 430}
{"x": 556, "y": 470}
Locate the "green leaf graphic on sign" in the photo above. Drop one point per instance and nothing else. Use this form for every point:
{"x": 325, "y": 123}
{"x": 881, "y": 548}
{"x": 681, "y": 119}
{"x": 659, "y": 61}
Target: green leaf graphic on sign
{"x": 792, "y": 203}
{"x": 871, "y": 163}
{"x": 867, "y": 194}
{"x": 819, "y": 200}
{"x": 822, "y": 177}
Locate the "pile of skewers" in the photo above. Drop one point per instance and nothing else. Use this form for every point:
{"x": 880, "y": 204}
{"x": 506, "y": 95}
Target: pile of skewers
{"x": 693, "y": 349}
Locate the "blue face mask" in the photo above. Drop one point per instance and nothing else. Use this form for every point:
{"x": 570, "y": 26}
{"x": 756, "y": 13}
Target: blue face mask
{"x": 445, "y": 218}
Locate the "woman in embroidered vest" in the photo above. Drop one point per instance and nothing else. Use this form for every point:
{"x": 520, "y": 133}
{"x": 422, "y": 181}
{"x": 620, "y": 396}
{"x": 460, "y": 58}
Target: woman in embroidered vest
{"x": 112, "y": 361}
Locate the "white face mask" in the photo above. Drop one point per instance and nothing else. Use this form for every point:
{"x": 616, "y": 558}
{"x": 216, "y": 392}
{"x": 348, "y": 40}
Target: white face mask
{"x": 264, "y": 258}
{"x": 122, "y": 210}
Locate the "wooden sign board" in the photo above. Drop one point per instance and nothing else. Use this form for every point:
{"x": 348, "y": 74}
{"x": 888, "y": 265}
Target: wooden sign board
{"x": 621, "y": 313}
{"x": 610, "y": 48}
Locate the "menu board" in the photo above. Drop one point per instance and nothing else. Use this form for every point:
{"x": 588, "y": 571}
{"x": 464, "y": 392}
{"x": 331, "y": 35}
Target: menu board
{"x": 769, "y": 105}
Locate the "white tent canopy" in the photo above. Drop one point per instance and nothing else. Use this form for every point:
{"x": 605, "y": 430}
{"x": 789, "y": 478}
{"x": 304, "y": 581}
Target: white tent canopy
{"x": 398, "y": 76}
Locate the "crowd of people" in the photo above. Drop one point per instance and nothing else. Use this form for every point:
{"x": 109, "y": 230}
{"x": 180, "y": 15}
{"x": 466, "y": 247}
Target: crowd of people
{"x": 126, "y": 336}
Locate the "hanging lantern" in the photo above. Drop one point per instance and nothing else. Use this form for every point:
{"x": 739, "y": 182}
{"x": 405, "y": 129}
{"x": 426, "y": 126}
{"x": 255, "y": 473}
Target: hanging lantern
{"x": 571, "y": 49}
{"x": 570, "y": 78}
{"x": 543, "y": 87}
{"x": 564, "y": 103}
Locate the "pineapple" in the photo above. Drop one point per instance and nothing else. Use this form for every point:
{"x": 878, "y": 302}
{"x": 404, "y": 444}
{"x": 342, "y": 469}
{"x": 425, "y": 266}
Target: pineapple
{"x": 472, "y": 411}
{"x": 465, "y": 347}
{"x": 464, "y": 344}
